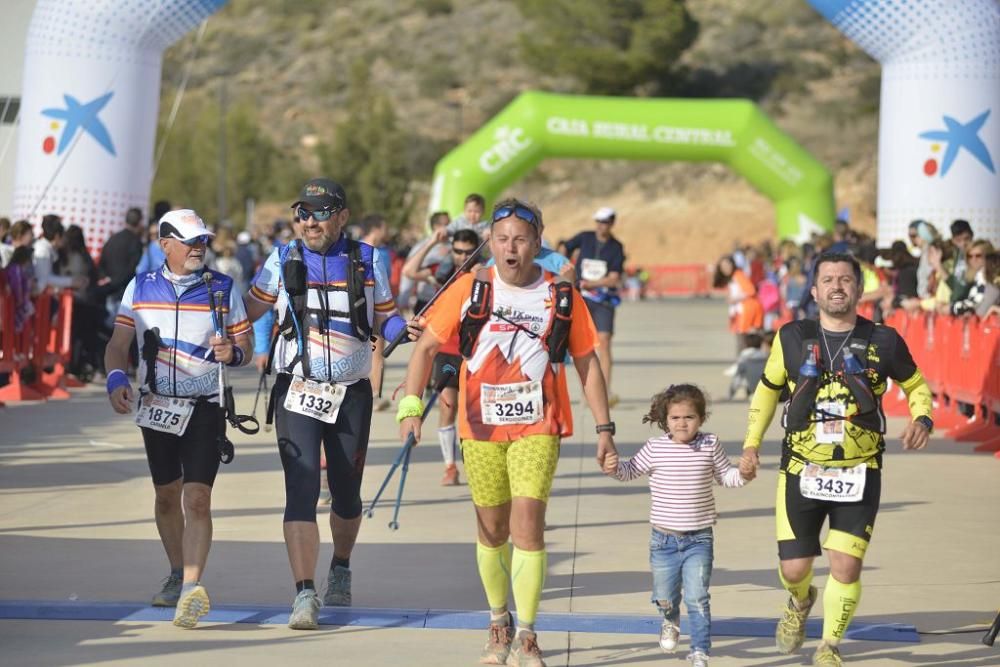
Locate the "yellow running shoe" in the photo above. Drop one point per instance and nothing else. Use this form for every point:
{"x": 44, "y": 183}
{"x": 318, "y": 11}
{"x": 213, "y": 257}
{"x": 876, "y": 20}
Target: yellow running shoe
{"x": 193, "y": 605}
{"x": 791, "y": 630}
{"x": 827, "y": 655}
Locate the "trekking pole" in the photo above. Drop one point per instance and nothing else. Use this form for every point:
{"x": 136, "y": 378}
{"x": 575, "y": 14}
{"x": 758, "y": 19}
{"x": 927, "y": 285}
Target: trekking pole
{"x": 222, "y": 443}
{"x": 991, "y": 634}
{"x": 468, "y": 264}
{"x": 404, "y": 454}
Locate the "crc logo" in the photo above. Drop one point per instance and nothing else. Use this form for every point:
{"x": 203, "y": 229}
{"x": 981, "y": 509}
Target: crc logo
{"x": 507, "y": 144}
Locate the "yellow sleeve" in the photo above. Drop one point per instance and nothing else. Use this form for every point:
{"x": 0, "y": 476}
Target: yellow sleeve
{"x": 765, "y": 398}
{"x": 918, "y": 396}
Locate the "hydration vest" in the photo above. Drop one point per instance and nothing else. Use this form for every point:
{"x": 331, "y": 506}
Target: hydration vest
{"x": 803, "y": 362}
{"x": 481, "y": 309}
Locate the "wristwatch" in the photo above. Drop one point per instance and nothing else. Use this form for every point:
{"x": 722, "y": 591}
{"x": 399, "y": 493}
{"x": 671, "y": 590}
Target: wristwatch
{"x": 606, "y": 428}
{"x": 926, "y": 422}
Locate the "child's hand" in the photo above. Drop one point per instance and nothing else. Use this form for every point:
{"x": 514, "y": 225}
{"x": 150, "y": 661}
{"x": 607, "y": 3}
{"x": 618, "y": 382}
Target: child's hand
{"x": 611, "y": 463}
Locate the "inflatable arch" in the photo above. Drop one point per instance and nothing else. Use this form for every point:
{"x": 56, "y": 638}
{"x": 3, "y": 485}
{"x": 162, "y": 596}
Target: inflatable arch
{"x": 939, "y": 130}
{"x": 537, "y": 125}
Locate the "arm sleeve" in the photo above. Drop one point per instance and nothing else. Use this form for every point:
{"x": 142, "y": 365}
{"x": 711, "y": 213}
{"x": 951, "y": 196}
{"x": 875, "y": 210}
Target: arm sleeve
{"x": 126, "y": 315}
{"x": 385, "y": 304}
{"x": 236, "y": 321}
{"x": 265, "y": 284}
{"x": 904, "y": 371}
{"x": 637, "y": 466}
{"x": 765, "y": 397}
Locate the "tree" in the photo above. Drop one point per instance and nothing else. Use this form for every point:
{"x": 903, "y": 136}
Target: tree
{"x": 368, "y": 155}
{"x": 614, "y": 48}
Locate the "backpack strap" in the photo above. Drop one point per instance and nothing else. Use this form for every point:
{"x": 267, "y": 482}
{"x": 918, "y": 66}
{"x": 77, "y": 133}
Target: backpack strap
{"x": 357, "y": 299}
{"x": 478, "y": 313}
{"x": 557, "y": 338}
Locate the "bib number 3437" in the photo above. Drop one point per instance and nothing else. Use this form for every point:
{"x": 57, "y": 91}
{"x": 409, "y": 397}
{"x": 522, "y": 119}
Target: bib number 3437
{"x": 517, "y": 403}
{"x": 164, "y": 413}
{"x": 842, "y": 485}
{"x": 318, "y": 400}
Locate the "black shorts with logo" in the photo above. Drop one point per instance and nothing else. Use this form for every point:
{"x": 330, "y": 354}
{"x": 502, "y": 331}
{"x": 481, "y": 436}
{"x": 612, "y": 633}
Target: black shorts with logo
{"x": 193, "y": 456}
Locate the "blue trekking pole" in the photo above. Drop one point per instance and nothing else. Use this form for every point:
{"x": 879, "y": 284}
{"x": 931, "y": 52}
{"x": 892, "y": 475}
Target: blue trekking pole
{"x": 215, "y": 304}
{"x": 404, "y": 454}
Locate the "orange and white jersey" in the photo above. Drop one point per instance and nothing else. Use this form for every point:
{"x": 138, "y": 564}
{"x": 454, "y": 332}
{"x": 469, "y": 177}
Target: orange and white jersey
{"x": 508, "y": 388}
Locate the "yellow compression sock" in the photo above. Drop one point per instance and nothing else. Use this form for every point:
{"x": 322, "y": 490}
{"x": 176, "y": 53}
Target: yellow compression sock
{"x": 494, "y": 570}
{"x": 528, "y": 581}
{"x": 839, "y": 602}
{"x": 800, "y": 589}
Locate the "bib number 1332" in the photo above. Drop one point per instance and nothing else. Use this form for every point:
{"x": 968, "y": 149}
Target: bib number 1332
{"x": 318, "y": 400}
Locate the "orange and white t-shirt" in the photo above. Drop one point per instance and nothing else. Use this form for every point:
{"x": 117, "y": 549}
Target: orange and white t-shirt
{"x": 509, "y": 389}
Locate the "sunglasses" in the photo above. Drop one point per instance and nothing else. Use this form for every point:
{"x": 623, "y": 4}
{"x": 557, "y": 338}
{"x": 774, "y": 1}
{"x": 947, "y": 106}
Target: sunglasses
{"x": 322, "y": 215}
{"x": 521, "y": 212}
{"x": 197, "y": 240}
{"x": 461, "y": 251}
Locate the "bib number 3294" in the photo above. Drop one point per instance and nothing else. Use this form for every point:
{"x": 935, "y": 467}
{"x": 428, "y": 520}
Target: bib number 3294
{"x": 164, "y": 413}
{"x": 517, "y": 403}
{"x": 842, "y": 485}
{"x": 318, "y": 400}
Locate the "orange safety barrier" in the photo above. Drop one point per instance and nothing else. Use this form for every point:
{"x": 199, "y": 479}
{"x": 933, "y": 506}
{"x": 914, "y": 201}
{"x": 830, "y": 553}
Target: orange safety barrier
{"x": 679, "y": 280}
{"x": 38, "y": 346}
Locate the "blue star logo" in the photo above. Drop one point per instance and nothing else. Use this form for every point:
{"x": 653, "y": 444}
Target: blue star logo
{"x": 962, "y": 135}
{"x": 82, "y": 117}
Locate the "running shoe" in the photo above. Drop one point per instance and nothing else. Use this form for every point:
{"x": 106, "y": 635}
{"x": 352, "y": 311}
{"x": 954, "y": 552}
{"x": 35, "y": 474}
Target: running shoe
{"x": 791, "y": 630}
{"x": 498, "y": 645}
{"x": 192, "y": 605}
{"x": 524, "y": 652}
{"x": 827, "y": 655}
{"x": 669, "y": 634}
{"x": 338, "y": 587}
{"x": 450, "y": 477}
{"x": 305, "y": 611}
{"x": 698, "y": 659}
{"x": 170, "y": 593}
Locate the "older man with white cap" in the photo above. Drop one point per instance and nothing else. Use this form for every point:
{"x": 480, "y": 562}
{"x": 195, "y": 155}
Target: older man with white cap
{"x": 170, "y": 311}
{"x": 600, "y": 262}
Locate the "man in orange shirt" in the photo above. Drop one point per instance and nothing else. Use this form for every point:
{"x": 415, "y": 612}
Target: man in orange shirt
{"x": 515, "y": 323}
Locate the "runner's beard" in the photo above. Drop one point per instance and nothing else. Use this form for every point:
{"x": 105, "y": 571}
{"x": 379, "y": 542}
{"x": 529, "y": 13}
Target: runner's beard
{"x": 829, "y": 307}
{"x": 194, "y": 264}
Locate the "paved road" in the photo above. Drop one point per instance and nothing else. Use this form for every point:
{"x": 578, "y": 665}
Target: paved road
{"x": 75, "y": 524}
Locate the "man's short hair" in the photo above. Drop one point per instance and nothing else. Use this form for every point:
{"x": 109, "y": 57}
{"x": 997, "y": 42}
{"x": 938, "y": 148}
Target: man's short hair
{"x": 836, "y": 258}
{"x": 514, "y": 202}
{"x": 439, "y": 218}
{"x": 371, "y": 222}
{"x": 477, "y": 198}
{"x": 959, "y": 227}
{"x": 133, "y": 217}
{"x": 466, "y": 236}
{"x": 52, "y": 226}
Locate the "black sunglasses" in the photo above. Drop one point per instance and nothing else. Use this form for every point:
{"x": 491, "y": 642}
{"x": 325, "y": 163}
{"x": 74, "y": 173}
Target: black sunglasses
{"x": 461, "y": 251}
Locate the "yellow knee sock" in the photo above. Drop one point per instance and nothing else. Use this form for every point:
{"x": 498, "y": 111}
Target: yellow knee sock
{"x": 800, "y": 589}
{"x": 528, "y": 568}
{"x": 839, "y": 602}
{"x": 494, "y": 570}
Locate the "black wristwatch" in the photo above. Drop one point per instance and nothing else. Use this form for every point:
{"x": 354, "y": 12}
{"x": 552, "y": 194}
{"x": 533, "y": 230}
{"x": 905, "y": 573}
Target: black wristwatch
{"x": 926, "y": 422}
{"x": 606, "y": 428}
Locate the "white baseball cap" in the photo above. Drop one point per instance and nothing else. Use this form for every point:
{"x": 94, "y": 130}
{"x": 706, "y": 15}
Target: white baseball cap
{"x": 183, "y": 225}
{"x": 604, "y": 214}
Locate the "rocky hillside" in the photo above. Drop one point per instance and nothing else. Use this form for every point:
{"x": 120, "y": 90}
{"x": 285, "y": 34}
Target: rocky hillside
{"x": 449, "y": 65}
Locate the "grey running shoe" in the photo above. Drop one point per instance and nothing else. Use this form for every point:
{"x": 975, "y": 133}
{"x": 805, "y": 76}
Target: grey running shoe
{"x": 192, "y": 606}
{"x": 791, "y": 630}
{"x": 338, "y": 587}
{"x": 524, "y": 652}
{"x": 305, "y": 611}
{"x": 170, "y": 593}
{"x": 827, "y": 655}
{"x": 498, "y": 645}
{"x": 698, "y": 659}
{"x": 669, "y": 633}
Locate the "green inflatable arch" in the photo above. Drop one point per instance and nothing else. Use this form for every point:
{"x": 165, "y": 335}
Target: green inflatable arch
{"x": 537, "y": 125}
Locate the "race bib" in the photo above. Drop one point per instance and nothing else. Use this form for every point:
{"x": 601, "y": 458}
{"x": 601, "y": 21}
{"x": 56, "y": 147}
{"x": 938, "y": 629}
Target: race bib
{"x": 318, "y": 400}
{"x": 829, "y": 432}
{"x": 506, "y": 404}
{"x": 842, "y": 485}
{"x": 164, "y": 413}
{"x": 593, "y": 269}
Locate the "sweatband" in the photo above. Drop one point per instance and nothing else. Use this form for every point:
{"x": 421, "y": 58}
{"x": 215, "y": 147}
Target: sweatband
{"x": 116, "y": 378}
{"x": 410, "y": 406}
{"x": 391, "y": 328}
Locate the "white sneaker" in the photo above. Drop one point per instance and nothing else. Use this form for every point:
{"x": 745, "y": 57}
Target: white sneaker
{"x": 731, "y": 371}
{"x": 698, "y": 659}
{"x": 669, "y": 633}
{"x": 305, "y": 611}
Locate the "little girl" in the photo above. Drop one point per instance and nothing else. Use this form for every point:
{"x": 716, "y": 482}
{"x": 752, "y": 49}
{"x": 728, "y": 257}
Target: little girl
{"x": 681, "y": 464}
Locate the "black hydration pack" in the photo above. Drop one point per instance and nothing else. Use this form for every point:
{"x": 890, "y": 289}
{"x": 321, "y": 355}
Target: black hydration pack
{"x": 804, "y": 366}
{"x": 481, "y": 309}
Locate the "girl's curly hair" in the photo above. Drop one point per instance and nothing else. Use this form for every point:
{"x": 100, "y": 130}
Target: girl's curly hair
{"x": 660, "y": 404}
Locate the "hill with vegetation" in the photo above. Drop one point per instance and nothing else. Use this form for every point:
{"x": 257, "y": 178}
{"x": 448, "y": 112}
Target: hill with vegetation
{"x": 374, "y": 92}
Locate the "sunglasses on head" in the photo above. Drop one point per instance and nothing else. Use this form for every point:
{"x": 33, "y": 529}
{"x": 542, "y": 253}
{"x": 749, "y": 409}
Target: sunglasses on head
{"x": 521, "y": 212}
{"x": 322, "y": 215}
{"x": 197, "y": 240}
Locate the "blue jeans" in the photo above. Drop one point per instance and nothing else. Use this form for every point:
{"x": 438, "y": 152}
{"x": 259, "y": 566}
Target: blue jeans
{"x": 684, "y": 562}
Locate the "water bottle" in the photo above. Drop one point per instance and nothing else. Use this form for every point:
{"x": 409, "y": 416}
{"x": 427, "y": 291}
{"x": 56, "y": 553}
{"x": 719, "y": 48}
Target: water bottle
{"x": 810, "y": 368}
{"x": 852, "y": 365}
